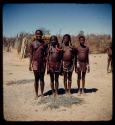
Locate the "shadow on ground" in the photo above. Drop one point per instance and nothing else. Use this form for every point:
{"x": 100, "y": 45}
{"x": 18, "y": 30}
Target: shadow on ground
{"x": 24, "y": 81}
{"x": 52, "y": 102}
{"x": 61, "y": 91}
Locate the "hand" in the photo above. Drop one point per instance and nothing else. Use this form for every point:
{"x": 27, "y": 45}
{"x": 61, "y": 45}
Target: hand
{"x": 88, "y": 68}
{"x": 30, "y": 68}
{"x": 45, "y": 59}
{"x": 76, "y": 70}
{"x": 61, "y": 70}
{"x": 47, "y": 69}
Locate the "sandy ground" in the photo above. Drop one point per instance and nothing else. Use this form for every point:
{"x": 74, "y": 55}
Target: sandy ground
{"x": 20, "y": 105}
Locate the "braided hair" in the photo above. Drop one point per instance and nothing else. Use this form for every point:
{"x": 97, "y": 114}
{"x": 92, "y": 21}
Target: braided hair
{"x": 55, "y": 37}
{"x": 69, "y": 39}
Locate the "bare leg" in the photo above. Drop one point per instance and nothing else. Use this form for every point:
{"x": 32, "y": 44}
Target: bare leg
{"x": 69, "y": 81}
{"x": 42, "y": 87}
{"x": 36, "y": 89}
{"x": 36, "y": 85}
{"x": 65, "y": 81}
{"x": 52, "y": 82}
{"x": 111, "y": 66}
{"x": 83, "y": 81}
{"x": 42, "y": 83}
{"x": 56, "y": 82}
{"x": 108, "y": 64}
{"x": 78, "y": 82}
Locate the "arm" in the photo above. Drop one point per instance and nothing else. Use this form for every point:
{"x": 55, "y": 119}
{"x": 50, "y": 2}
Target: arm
{"x": 31, "y": 57}
{"x": 48, "y": 54}
{"x": 75, "y": 63}
{"x": 61, "y": 62}
{"x": 107, "y": 50}
{"x": 88, "y": 66}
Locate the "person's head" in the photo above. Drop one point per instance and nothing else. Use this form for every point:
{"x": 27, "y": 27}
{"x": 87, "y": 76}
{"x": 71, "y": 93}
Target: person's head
{"x": 81, "y": 40}
{"x": 66, "y": 39}
{"x": 38, "y": 34}
{"x": 54, "y": 40}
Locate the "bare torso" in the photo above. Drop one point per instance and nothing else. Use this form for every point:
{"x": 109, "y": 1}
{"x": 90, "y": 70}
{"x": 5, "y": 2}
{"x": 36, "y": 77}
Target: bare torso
{"x": 82, "y": 54}
{"x": 67, "y": 56}
{"x": 54, "y": 55}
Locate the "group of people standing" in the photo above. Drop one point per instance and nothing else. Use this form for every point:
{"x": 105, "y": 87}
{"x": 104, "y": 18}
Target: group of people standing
{"x": 58, "y": 59}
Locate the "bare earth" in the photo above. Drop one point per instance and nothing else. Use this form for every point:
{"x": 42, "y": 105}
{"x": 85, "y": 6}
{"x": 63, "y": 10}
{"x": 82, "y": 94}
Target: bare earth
{"x": 20, "y": 105}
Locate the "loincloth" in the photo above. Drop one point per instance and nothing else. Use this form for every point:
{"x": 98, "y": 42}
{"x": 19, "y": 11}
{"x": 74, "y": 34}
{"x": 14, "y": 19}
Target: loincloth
{"x": 54, "y": 67}
{"x": 81, "y": 66}
{"x": 68, "y": 68}
{"x": 37, "y": 66}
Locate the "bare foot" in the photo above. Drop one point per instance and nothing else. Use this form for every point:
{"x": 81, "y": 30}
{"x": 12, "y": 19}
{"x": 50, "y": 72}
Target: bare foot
{"x": 66, "y": 92}
{"x": 79, "y": 93}
{"x": 36, "y": 97}
{"x": 53, "y": 94}
{"x": 108, "y": 71}
{"x": 56, "y": 93}
{"x": 69, "y": 93}
{"x": 83, "y": 93}
{"x": 39, "y": 95}
{"x": 42, "y": 97}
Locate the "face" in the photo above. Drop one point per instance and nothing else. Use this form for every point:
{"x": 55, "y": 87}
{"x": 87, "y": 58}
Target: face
{"x": 82, "y": 41}
{"x": 38, "y": 35}
{"x": 66, "y": 40}
{"x": 53, "y": 41}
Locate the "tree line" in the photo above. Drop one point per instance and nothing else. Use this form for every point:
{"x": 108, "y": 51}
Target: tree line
{"x": 97, "y": 43}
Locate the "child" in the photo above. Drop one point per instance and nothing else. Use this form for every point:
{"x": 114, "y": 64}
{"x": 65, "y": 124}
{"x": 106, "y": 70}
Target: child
{"x": 82, "y": 63}
{"x": 68, "y": 62}
{"x": 54, "y": 60}
{"x": 38, "y": 53}
{"x": 109, "y": 52}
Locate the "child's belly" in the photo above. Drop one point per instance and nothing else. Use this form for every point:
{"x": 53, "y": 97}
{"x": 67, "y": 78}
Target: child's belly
{"x": 82, "y": 57}
{"x": 67, "y": 56}
{"x": 54, "y": 58}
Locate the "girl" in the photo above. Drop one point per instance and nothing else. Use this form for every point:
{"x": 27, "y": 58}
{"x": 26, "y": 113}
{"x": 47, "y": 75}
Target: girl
{"x": 68, "y": 62}
{"x": 54, "y": 61}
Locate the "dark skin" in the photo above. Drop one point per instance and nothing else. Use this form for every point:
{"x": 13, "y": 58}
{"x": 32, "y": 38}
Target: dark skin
{"x": 67, "y": 56}
{"x": 82, "y": 42}
{"x": 54, "y": 76}
{"x": 37, "y": 75}
{"x": 109, "y": 50}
